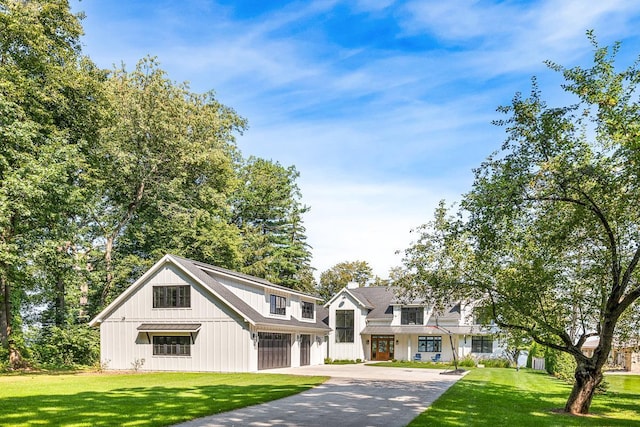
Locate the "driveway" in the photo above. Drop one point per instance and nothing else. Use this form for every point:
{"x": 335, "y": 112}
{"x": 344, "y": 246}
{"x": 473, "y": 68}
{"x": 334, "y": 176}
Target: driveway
{"x": 356, "y": 395}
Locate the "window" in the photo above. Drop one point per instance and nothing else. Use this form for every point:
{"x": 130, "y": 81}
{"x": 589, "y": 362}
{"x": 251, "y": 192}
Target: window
{"x": 344, "y": 325}
{"x": 307, "y": 310}
{"x": 481, "y": 344}
{"x": 278, "y": 305}
{"x": 430, "y": 344}
{"x": 171, "y": 346}
{"x": 412, "y": 316}
{"x": 171, "y": 296}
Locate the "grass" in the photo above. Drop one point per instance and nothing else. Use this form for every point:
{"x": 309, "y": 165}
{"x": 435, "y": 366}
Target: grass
{"x": 506, "y": 397}
{"x": 141, "y": 399}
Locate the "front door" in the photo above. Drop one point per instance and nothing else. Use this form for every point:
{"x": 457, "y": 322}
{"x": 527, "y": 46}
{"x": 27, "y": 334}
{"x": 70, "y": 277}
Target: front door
{"x": 382, "y": 347}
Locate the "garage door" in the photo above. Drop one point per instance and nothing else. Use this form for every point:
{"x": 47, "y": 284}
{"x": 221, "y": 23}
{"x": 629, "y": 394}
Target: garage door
{"x": 274, "y": 350}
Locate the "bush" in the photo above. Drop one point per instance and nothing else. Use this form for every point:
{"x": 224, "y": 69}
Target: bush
{"x": 467, "y": 361}
{"x": 329, "y": 361}
{"x": 69, "y": 347}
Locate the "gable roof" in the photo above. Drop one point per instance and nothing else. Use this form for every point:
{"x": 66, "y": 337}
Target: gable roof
{"x": 204, "y": 274}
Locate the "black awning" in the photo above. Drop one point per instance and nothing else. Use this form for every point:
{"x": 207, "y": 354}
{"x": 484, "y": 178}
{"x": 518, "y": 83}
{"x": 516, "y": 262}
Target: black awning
{"x": 169, "y": 327}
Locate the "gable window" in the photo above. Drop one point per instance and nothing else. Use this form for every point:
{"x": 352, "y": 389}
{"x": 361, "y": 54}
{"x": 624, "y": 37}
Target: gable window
{"x": 171, "y": 346}
{"x": 429, "y": 344}
{"x": 278, "y": 305}
{"x": 344, "y": 325}
{"x": 171, "y": 296}
{"x": 307, "y": 310}
{"x": 412, "y": 316}
{"x": 482, "y": 344}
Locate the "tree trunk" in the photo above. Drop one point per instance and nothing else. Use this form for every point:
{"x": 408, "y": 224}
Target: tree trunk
{"x": 5, "y": 310}
{"x": 6, "y": 335}
{"x": 588, "y": 378}
{"x": 108, "y": 250}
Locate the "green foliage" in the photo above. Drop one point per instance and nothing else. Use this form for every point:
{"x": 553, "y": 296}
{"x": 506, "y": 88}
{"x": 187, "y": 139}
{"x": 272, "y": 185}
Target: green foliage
{"x": 329, "y": 361}
{"x": 339, "y": 276}
{"x": 72, "y": 346}
{"x": 548, "y": 238}
{"x": 467, "y": 361}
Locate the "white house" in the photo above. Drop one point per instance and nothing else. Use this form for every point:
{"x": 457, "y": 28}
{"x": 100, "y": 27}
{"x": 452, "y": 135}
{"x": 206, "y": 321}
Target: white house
{"x": 183, "y": 315}
{"x": 374, "y": 323}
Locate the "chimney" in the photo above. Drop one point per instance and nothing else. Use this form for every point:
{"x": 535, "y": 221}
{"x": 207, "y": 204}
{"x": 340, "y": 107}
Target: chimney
{"x": 353, "y": 285}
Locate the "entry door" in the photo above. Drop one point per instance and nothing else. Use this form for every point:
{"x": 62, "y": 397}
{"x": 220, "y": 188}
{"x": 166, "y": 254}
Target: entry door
{"x": 382, "y": 347}
{"x": 305, "y": 350}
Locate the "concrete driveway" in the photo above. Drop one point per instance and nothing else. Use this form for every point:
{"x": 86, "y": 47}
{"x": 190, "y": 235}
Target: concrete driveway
{"x": 356, "y": 395}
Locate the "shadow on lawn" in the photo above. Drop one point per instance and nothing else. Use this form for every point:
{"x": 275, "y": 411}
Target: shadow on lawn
{"x": 481, "y": 403}
{"x": 140, "y": 406}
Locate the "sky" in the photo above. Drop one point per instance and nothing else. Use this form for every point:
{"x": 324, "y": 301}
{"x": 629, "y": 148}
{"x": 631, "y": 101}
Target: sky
{"x": 384, "y": 107}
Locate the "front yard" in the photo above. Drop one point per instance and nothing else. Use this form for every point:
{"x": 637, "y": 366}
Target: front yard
{"x": 141, "y": 399}
{"x": 506, "y": 397}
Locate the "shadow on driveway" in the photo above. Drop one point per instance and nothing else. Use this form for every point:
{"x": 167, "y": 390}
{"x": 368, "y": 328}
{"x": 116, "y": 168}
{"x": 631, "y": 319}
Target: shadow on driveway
{"x": 375, "y": 397}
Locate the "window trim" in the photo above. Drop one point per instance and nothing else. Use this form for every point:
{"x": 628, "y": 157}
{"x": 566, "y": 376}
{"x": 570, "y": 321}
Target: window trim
{"x": 436, "y": 344}
{"x": 277, "y": 305}
{"x": 344, "y": 332}
{"x": 179, "y": 349}
{"x": 163, "y": 299}
{"x": 308, "y": 310}
{"x": 417, "y": 313}
{"x": 482, "y": 343}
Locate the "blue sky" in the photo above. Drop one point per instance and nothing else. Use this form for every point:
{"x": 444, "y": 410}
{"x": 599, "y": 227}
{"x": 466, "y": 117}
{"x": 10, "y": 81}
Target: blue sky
{"x": 384, "y": 107}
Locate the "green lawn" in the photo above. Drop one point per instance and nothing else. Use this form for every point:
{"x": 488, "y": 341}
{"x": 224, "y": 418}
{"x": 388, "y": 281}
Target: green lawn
{"x": 506, "y": 397}
{"x": 142, "y": 399}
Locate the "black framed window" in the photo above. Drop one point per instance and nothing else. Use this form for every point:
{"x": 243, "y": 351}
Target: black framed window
{"x": 278, "y": 305}
{"x": 171, "y": 346}
{"x": 430, "y": 344}
{"x": 307, "y": 310}
{"x": 344, "y": 325}
{"x": 412, "y": 316}
{"x": 481, "y": 344}
{"x": 171, "y": 296}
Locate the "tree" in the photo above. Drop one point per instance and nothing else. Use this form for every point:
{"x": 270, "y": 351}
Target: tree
{"x": 268, "y": 211}
{"x": 165, "y": 152}
{"x": 339, "y": 276}
{"x": 47, "y": 112}
{"x": 548, "y": 238}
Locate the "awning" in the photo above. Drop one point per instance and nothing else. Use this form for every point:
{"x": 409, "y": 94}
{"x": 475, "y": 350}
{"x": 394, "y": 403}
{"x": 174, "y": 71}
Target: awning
{"x": 169, "y": 327}
{"x": 422, "y": 330}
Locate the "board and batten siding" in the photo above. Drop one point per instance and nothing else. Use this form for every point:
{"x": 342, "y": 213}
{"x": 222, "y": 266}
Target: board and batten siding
{"x": 346, "y": 350}
{"x": 223, "y": 342}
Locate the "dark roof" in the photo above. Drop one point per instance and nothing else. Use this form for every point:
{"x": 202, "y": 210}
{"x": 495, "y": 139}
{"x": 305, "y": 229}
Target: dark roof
{"x": 174, "y": 327}
{"x": 377, "y": 298}
{"x": 236, "y": 303}
{"x": 248, "y": 277}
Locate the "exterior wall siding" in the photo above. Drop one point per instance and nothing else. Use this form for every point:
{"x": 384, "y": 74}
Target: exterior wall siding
{"x": 356, "y": 349}
{"x": 223, "y": 342}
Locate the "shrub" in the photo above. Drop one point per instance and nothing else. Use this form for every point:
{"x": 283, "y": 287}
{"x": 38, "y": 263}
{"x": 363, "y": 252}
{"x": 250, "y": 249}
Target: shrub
{"x": 467, "y": 361}
{"x": 74, "y": 345}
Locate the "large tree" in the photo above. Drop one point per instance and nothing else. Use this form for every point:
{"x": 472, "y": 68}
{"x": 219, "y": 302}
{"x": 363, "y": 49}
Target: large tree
{"x": 549, "y": 237}
{"x": 341, "y": 274}
{"x": 165, "y": 158}
{"x": 47, "y": 109}
{"x": 268, "y": 211}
